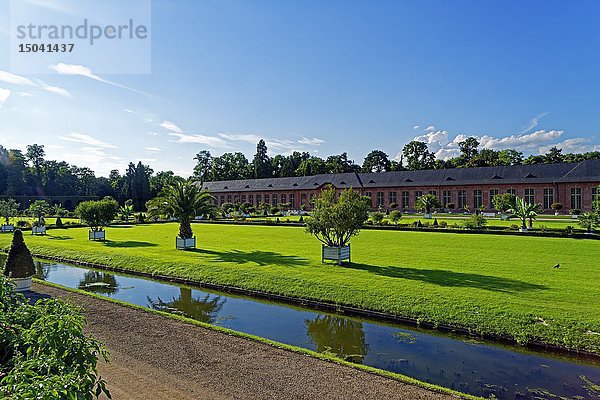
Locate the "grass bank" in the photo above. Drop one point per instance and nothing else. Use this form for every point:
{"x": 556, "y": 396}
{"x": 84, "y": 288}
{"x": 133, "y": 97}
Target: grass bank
{"x": 493, "y": 285}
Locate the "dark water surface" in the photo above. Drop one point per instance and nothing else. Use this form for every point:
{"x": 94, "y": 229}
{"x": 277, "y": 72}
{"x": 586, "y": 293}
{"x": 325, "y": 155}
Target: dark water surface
{"x": 470, "y": 366}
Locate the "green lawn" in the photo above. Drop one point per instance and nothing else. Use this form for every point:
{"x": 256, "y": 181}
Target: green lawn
{"x": 503, "y": 285}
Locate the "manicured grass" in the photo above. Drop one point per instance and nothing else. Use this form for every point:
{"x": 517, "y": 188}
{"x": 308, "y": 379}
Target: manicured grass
{"x": 49, "y": 220}
{"x": 490, "y": 284}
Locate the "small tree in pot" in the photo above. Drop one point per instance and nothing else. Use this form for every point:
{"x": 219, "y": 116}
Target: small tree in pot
{"x": 38, "y": 209}
{"x": 183, "y": 200}
{"x": 503, "y": 203}
{"x": 19, "y": 265}
{"x": 588, "y": 221}
{"x": 556, "y": 207}
{"x": 427, "y": 203}
{"x": 524, "y": 211}
{"x": 450, "y": 207}
{"x": 8, "y": 208}
{"x": 97, "y": 214}
{"x": 335, "y": 221}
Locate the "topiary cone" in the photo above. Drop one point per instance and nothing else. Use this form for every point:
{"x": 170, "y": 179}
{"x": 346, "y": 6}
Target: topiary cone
{"x": 19, "y": 263}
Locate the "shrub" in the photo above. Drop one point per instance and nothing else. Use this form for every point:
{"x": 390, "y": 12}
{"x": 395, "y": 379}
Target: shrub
{"x": 140, "y": 218}
{"x": 97, "y": 213}
{"x": 8, "y": 208}
{"x": 45, "y": 353}
{"x": 59, "y": 223}
{"x": 514, "y": 226}
{"x": 428, "y": 202}
{"x": 393, "y": 205}
{"x": 556, "y": 206}
{"x": 569, "y": 230}
{"x": 301, "y": 219}
{"x": 443, "y": 224}
{"x": 575, "y": 212}
{"x": 435, "y": 223}
{"x": 504, "y": 202}
{"x": 395, "y": 216}
{"x": 588, "y": 221}
{"x": 418, "y": 224}
{"x": 19, "y": 263}
{"x": 274, "y": 210}
{"x": 377, "y": 217}
{"x": 23, "y": 224}
{"x": 451, "y": 206}
{"x": 384, "y": 223}
{"x": 475, "y": 221}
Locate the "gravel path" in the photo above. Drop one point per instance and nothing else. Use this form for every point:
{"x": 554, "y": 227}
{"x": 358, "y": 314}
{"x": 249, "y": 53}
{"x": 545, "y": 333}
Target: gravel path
{"x": 154, "y": 357}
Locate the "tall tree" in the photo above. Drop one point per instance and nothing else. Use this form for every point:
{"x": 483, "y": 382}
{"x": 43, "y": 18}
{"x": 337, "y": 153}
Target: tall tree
{"x": 376, "y": 161}
{"x": 468, "y": 149}
{"x": 417, "y": 156}
{"x": 230, "y": 166}
{"x": 203, "y": 166}
{"x": 337, "y": 164}
{"x": 261, "y": 163}
{"x": 554, "y": 155}
{"x": 311, "y": 166}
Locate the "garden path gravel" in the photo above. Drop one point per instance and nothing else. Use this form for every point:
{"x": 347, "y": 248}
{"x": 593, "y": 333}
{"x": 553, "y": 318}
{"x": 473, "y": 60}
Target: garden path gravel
{"x": 155, "y": 357}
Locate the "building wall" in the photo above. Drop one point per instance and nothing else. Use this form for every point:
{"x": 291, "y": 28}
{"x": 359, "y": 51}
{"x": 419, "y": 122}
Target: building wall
{"x": 560, "y": 193}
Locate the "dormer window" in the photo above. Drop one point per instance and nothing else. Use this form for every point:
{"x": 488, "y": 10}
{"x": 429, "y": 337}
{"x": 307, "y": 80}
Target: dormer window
{"x": 450, "y": 178}
{"x": 530, "y": 176}
{"x": 497, "y": 177}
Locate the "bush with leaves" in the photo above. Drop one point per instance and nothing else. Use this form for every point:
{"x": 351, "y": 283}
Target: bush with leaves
{"x": 428, "y": 202}
{"x": 504, "y": 202}
{"x": 38, "y": 209}
{"x": 335, "y": 221}
{"x": 589, "y": 221}
{"x": 8, "y": 208}
{"x": 475, "y": 221}
{"x": 45, "y": 353}
{"x": 556, "y": 206}
{"x": 97, "y": 214}
{"x": 524, "y": 211}
{"x": 377, "y": 217}
{"x": 395, "y": 216}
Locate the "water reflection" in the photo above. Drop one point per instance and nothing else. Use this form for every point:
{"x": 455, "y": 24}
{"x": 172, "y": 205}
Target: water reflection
{"x": 201, "y": 309}
{"x": 341, "y": 336}
{"x": 99, "y": 282}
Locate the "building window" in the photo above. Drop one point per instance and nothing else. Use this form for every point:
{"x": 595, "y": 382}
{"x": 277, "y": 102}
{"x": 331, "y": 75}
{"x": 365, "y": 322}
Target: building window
{"x": 266, "y": 199}
{"x": 529, "y": 196}
{"x": 595, "y": 198}
{"x": 229, "y": 198}
{"x": 258, "y": 199}
{"x": 575, "y": 198}
{"x": 312, "y": 199}
{"x": 462, "y": 198}
{"x": 292, "y": 200}
{"x": 432, "y": 192}
{"x": 418, "y": 195}
{"x": 221, "y": 200}
{"x": 493, "y": 193}
{"x": 274, "y": 199}
{"x": 251, "y": 199}
{"x": 243, "y": 198}
{"x": 236, "y": 199}
{"x": 283, "y": 198}
{"x": 393, "y": 198}
{"x": 303, "y": 198}
{"x": 512, "y": 191}
{"x": 477, "y": 198}
{"x": 380, "y": 199}
{"x": 405, "y": 200}
{"x": 548, "y": 198}
{"x": 446, "y": 198}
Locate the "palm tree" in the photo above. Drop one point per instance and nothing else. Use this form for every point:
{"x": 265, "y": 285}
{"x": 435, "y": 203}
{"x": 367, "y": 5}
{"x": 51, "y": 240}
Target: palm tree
{"x": 524, "y": 211}
{"x": 126, "y": 211}
{"x": 182, "y": 200}
{"x": 428, "y": 202}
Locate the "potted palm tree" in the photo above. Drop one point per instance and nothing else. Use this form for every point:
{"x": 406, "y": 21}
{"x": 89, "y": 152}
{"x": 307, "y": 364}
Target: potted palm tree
{"x": 427, "y": 203}
{"x": 183, "y": 200}
{"x": 97, "y": 214}
{"x": 335, "y": 221}
{"x": 38, "y": 209}
{"x": 588, "y": 221}
{"x": 8, "y": 208}
{"x": 524, "y": 211}
{"x": 19, "y": 266}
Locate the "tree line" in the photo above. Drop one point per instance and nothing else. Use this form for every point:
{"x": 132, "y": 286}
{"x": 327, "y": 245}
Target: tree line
{"x": 414, "y": 156}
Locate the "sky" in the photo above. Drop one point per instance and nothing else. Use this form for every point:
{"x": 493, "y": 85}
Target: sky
{"x": 320, "y": 76}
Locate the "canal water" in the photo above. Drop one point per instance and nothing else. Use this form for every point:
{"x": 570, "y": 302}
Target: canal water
{"x": 468, "y": 365}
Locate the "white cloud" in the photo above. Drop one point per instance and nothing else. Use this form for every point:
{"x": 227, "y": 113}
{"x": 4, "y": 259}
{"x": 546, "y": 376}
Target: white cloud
{"x": 81, "y": 70}
{"x": 430, "y": 128}
{"x": 170, "y": 126}
{"x": 311, "y": 141}
{"x": 534, "y": 122}
{"x": 575, "y": 145}
{"x": 53, "y": 89}
{"x": 127, "y": 110}
{"x": 416, "y": 127}
{"x": 7, "y": 77}
{"x": 243, "y": 137}
{"x": 4, "y": 94}
{"x": 153, "y": 134}
{"x": 87, "y": 139}
{"x": 208, "y": 140}
{"x": 152, "y": 149}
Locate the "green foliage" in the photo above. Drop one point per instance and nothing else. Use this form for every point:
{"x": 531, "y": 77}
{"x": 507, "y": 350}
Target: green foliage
{"x": 596, "y": 203}
{"x": 377, "y": 217}
{"x": 183, "y": 200}
{"x": 335, "y": 221}
{"x": 45, "y": 354}
{"x": 428, "y": 202}
{"x": 395, "y": 216}
{"x": 97, "y": 213}
{"x": 38, "y": 209}
{"x": 126, "y": 211}
{"x": 475, "y": 221}
{"x": 524, "y": 211}
{"x": 589, "y": 221}
{"x": 450, "y": 206}
{"x": 504, "y": 202}
{"x": 19, "y": 263}
{"x": 59, "y": 223}
{"x": 8, "y": 208}
{"x": 556, "y": 206}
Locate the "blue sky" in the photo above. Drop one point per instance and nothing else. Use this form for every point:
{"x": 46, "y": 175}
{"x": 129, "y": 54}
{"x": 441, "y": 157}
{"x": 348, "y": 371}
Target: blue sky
{"x": 320, "y": 76}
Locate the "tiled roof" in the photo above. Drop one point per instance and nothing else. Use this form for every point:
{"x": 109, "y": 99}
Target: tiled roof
{"x": 585, "y": 171}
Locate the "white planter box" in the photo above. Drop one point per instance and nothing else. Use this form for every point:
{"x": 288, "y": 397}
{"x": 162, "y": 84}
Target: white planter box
{"x": 38, "y": 230}
{"x": 427, "y": 216}
{"x": 523, "y": 230}
{"x": 7, "y": 228}
{"x": 488, "y": 214}
{"x": 337, "y": 254}
{"x": 556, "y": 213}
{"x": 21, "y": 284}
{"x": 96, "y": 235}
{"x": 188, "y": 243}
{"x": 574, "y": 216}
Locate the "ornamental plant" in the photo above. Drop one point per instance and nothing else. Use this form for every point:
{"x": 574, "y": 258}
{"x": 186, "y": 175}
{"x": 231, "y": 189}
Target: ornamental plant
{"x": 19, "y": 263}
{"x": 335, "y": 221}
{"x": 428, "y": 202}
{"x": 524, "y": 211}
{"x": 8, "y": 208}
{"x": 97, "y": 214}
{"x": 38, "y": 209}
{"x": 589, "y": 220}
{"x": 395, "y": 216}
{"x": 504, "y": 202}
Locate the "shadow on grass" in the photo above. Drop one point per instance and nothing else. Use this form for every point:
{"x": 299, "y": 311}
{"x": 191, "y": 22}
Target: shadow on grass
{"x": 259, "y": 257}
{"x": 121, "y": 226}
{"x": 451, "y": 278}
{"x": 128, "y": 243}
{"x": 56, "y": 237}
